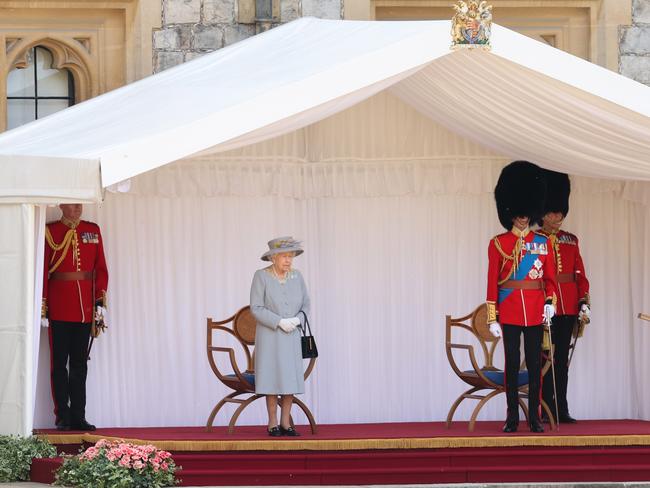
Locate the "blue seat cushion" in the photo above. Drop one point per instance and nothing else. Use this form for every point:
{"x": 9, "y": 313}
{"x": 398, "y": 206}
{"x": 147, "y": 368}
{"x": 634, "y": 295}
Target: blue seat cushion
{"x": 250, "y": 377}
{"x": 498, "y": 377}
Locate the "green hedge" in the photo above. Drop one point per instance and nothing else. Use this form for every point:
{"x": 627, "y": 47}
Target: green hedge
{"x": 16, "y": 454}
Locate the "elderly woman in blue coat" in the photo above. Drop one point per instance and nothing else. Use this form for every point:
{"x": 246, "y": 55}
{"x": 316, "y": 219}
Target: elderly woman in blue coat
{"x": 278, "y": 294}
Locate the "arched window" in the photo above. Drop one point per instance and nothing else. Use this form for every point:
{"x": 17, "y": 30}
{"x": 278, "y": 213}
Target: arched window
{"x": 37, "y": 89}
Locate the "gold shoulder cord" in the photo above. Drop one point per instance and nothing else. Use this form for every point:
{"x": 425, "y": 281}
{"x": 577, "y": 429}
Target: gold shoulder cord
{"x": 509, "y": 257}
{"x": 555, "y": 244}
{"x": 70, "y": 237}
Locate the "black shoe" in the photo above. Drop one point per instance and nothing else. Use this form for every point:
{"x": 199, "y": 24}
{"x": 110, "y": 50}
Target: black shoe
{"x": 545, "y": 419}
{"x": 565, "y": 418}
{"x": 82, "y": 425}
{"x": 63, "y": 426}
{"x": 536, "y": 426}
{"x": 511, "y": 425}
{"x": 275, "y": 431}
{"x": 290, "y": 432}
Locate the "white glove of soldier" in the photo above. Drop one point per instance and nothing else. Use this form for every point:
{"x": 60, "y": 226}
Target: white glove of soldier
{"x": 549, "y": 311}
{"x": 495, "y": 329}
{"x": 585, "y": 310}
{"x": 45, "y": 322}
{"x": 100, "y": 313}
{"x": 287, "y": 325}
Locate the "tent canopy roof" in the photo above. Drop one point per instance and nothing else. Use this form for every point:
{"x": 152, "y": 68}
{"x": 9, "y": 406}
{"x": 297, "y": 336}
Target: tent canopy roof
{"x": 523, "y": 99}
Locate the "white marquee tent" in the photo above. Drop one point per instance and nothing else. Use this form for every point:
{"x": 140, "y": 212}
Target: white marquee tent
{"x": 379, "y": 147}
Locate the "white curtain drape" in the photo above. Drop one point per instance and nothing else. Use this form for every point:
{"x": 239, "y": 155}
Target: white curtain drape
{"x": 382, "y": 271}
{"x": 395, "y": 214}
{"x": 17, "y": 267}
{"x": 40, "y": 214}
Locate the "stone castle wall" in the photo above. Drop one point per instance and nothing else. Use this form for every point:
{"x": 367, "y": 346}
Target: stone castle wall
{"x": 191, "y": 28}
{"x": 634, "y": 45}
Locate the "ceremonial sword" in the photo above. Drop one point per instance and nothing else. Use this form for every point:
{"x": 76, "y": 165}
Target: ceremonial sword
{"x": 547, "y": 322}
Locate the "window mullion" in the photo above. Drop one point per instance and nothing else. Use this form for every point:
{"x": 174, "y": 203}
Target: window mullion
{"x": 35, "y": 87}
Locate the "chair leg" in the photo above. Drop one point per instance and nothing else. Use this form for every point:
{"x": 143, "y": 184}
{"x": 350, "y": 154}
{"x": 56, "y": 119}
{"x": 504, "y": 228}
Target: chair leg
{"x": 480, "y": 405}
{"x": 307, "y": 413}
{"x": 235, "y": 416}
{"x": 458, "y": 401}
{"x": 217, "y": 407}
{"x": 549, "y": 414}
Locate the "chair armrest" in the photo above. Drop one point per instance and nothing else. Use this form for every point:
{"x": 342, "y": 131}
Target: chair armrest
{"x": 472, "y": 358}
{"x": 310, "y": 367}
{"x": 233, "y": 363}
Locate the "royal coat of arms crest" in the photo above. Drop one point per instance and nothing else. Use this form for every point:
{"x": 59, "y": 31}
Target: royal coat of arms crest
{"x": 471, "y": 25}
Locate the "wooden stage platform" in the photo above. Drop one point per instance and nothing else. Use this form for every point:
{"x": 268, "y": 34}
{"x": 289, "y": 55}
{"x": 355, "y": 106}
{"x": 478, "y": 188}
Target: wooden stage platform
{"x": 393, "y": 453}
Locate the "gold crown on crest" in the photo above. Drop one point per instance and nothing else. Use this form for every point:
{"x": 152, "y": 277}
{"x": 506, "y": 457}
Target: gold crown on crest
{"x": 471, "y": 24}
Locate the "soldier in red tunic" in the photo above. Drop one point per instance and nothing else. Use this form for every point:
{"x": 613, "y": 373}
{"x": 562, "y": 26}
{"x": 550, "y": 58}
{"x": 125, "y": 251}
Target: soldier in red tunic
{"x": 520, "y": 284}
{"x": 573, "y": 288}
{"x": 74, "y": 293}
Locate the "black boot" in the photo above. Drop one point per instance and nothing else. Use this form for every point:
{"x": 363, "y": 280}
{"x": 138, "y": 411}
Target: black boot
{"x": 82, "y": 424}
{"x": 565, "y": 418}
{"x": 512, "y": 422}
{"x": 535, "y": 424}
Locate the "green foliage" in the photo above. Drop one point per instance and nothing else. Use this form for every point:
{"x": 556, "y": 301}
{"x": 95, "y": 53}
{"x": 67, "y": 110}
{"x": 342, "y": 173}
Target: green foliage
{"x": 16, "y": 454}
{"x": 118, "y": 465}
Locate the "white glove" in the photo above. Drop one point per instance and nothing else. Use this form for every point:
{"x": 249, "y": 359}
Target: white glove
{"x": 495, "y": 329}
{"x": 100, "y": 313}
{"x": 45, "y": 322}
{"x": 286, "y": 325}
{"x": 549, "y": 311}
{"x": 584, "y": 316}
{"x": 100, "y": 316}
{"x": 295, "y": 321}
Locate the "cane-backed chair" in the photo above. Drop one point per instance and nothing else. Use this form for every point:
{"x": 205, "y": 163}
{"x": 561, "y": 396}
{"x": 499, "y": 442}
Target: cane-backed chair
{"x": 241, "y": 380}
{"x": 486, "y": 380}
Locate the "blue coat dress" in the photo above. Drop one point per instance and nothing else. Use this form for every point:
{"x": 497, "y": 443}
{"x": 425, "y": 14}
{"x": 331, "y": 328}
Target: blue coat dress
{"x": 278, "y": 356}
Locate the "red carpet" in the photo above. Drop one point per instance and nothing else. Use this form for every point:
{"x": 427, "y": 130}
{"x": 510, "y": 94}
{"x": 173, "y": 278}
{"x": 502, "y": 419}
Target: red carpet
{"x": 391, "y": 435}
{"x": 600, "y": 450}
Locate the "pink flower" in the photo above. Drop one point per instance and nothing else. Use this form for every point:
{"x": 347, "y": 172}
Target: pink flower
{"x": 125, "y": 462}
{"x": 90, "y": 453}
{"x": 138, "y": 465}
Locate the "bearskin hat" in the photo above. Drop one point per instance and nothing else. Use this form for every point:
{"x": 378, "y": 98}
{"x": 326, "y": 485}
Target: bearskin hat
{"x": 520, "y": 192}
{"x": 558, "y": 189}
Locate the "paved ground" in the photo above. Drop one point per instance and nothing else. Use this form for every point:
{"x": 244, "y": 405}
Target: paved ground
{"x": 477, "y": 485}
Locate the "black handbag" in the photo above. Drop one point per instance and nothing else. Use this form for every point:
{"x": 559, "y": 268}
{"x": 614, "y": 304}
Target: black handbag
{"x": 307, "y": 341}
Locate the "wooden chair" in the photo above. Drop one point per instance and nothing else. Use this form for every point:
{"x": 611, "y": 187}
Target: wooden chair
{"x": 485, "y": 379}
{"x": 242, "y": 382}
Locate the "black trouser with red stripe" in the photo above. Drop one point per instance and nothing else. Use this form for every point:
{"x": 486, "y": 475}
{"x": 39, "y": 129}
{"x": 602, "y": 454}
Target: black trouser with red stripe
{"x": 69, "y": 344}
{"x": 533, "y": 349}
{"x": 561, "y": 331}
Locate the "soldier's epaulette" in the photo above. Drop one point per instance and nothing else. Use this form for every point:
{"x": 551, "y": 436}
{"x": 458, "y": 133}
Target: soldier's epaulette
{"x": 540, "y": 234}
{"x": 90, "y": 223}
